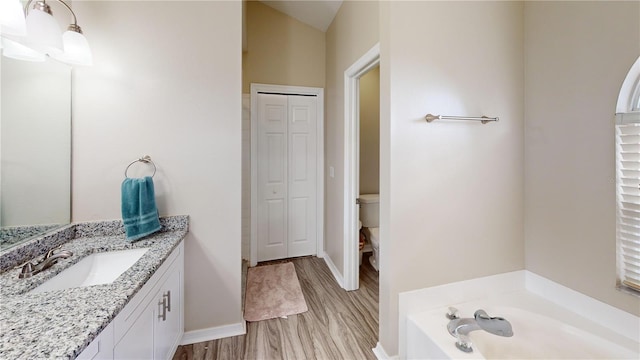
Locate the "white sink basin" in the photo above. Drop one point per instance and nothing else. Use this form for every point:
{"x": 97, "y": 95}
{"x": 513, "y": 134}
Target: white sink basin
{"x": 95, "y": 269}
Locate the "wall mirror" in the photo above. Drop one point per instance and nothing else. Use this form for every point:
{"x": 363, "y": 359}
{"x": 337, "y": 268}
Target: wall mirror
{"x": 35, "y": 148}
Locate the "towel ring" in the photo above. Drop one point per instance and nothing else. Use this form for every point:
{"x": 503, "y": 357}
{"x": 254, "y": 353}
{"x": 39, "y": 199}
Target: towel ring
{"x": 145, "y": 159}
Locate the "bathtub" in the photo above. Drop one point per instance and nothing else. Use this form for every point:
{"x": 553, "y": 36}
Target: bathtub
{"x": 548, "y": 321}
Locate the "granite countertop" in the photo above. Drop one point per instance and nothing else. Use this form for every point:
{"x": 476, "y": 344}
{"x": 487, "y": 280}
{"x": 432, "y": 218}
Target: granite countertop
{"x": 61, "y": 323}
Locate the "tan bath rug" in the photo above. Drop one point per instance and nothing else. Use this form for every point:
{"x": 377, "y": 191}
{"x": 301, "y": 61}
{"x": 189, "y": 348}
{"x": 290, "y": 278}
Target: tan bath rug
{"x": 273, "y": 291}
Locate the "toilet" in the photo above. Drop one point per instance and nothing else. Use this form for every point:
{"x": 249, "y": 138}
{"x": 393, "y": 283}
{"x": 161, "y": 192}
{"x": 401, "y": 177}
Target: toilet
{"x": 369, "y": 215}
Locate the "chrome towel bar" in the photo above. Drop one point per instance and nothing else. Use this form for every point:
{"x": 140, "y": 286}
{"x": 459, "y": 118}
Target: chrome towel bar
{"x": 482, "y": 119}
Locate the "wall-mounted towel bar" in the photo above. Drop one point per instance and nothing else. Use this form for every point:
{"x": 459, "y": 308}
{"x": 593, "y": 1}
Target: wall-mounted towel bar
{"x": 145, "y": 159}
{"x": 482, "y": 119}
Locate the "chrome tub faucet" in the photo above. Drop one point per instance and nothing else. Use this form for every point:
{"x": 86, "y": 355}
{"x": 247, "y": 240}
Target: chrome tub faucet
{"x": 461, "y": 327}
{"x": 50, "y": 258}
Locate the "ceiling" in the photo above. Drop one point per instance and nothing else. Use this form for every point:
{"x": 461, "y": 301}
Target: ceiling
{"x": 316, "y": 13}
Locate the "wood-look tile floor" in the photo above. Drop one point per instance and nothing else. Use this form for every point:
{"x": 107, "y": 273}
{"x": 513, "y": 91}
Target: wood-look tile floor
{"x": 339, "y": 324}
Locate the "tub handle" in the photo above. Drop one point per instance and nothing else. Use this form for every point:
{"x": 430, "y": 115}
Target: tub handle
{"x": 452, "y": 313}
{"x": 464, "y": 343}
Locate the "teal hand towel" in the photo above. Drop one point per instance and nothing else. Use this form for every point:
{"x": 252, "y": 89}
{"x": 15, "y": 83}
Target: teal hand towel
{"x": 139, "y": 211}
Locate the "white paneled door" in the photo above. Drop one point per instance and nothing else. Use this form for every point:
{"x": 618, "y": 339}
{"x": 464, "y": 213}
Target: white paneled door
{"x": 287, "y": 153}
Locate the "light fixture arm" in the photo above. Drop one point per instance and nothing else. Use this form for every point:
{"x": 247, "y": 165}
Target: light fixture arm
{"x": 44, "y": 7}
{"x": 41, "y": 5}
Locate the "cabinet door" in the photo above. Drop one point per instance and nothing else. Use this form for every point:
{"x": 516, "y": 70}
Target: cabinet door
{"x": 101, "y": 348}
{"x": 168, "y": 322}
{"x": 137, "y": 343}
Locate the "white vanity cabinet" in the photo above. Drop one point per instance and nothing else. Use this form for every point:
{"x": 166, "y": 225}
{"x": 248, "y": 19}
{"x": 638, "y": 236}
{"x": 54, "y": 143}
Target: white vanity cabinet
{"x": 101, "y": 348}
{"x": 151, "y": 325}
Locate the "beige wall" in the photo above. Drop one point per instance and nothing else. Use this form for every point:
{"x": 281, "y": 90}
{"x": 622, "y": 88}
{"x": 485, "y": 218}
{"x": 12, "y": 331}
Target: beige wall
{"x": 281, "y": 50}
{"x": 454, "y": 192}
{"x": 370, "y": 132}
{"x": 167, "y": 83}
{"x": 574, "y": 71}
{"x": 353, "y": 32}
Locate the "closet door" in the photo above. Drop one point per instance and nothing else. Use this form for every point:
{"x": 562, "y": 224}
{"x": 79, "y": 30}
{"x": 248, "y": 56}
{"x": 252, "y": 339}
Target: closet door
{"x": 272, "y": 177}
{"x": 287, "y": 152}
{"x": 302, "y": 175}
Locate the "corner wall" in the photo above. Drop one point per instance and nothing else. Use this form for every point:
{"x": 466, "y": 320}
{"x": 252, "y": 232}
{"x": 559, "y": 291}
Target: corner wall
{"x": 577, "y": 56}
{"x": 167, "y": 82}
{"x": 453, "y": 190}
{"x": 352, "y": 33}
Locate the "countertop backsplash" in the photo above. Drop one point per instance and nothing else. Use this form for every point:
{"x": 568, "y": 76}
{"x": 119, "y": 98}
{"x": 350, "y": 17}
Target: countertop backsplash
{"x": 31, "y": 249}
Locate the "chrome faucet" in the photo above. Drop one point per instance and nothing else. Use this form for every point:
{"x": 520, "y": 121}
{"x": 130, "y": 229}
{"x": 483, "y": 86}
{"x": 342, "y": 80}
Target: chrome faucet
{"x": 461, "y": 327}
{"x": 50, "y": 258}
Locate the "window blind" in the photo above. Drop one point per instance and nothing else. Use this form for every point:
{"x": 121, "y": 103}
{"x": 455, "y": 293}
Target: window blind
{"x": 628, "y": 198}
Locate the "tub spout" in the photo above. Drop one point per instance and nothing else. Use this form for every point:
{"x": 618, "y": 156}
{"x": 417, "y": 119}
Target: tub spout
{"x": 495, "y": 325}
{"x": 460, "y": 328}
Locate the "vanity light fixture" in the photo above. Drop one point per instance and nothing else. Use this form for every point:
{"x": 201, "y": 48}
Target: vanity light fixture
{"x": 43, "y": 37}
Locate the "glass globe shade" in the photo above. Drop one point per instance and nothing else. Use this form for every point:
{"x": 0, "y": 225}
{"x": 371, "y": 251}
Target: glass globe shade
{"x": 76, "y": 49}
{"x": 43, "y": 32}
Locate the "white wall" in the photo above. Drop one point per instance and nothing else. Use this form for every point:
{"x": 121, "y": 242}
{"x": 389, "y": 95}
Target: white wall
{"x": 577, "y": 56}
{"x": 166, "y": 82}
{"x": 451, "y": 192}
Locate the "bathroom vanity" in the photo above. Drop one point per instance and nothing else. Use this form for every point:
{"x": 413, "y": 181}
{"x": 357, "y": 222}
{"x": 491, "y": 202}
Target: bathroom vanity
{"x": 139, "y": 315}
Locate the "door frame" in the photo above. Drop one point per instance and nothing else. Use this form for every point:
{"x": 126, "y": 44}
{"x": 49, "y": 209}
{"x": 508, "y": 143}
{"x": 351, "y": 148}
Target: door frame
{"x": 287, "y": 90}
{"x": 352, "y": 77}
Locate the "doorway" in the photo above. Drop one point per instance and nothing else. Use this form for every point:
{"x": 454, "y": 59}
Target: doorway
{"x": 352, "y": 76}
{"x": 287, "y": 177}
{"x": 369, "y": 167}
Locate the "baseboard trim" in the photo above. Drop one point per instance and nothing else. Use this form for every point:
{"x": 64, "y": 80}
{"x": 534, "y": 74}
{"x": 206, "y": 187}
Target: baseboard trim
{"x": 334, "y": 269}
{"x": 213, "y": 333}
{"x": 379, "y": 352}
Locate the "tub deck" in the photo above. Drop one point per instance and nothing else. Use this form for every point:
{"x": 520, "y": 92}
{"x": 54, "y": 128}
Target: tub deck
{"x": 548, "y": 320}
{"x": 542, "y": 330}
